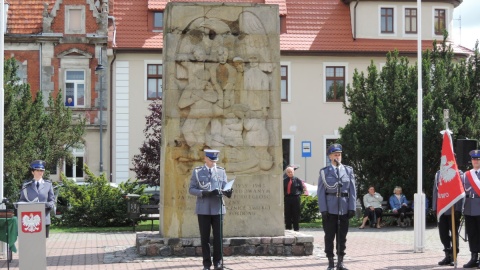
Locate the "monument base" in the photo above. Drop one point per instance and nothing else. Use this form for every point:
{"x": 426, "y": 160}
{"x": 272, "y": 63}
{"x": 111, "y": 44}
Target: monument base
{"x": 291, "y": 244}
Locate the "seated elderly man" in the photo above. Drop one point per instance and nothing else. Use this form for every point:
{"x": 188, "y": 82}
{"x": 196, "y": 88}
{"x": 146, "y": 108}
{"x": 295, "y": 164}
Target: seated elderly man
{"x": 373, "y": 208}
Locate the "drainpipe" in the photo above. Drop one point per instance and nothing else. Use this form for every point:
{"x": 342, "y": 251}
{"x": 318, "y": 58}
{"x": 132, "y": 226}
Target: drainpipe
{"x": 355, "y": 21}
{"x": 111, "y": 114}
{"x": 114, "y": 44}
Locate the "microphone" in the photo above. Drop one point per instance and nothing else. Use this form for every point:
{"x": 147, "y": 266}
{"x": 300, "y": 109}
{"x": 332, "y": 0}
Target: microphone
{"x": 338, "y": 162}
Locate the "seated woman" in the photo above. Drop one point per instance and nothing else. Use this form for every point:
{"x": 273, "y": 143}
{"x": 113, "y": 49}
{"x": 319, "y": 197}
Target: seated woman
{"x": 373, "y": 208}
{"x": 399, "y": 204}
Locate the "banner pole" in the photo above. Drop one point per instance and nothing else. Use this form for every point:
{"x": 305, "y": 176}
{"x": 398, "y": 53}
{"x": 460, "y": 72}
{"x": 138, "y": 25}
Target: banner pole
{"x": 454, "y": 238}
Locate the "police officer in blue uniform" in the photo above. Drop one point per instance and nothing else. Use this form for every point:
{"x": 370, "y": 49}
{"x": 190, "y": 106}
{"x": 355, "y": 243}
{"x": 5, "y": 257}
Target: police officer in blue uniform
{"x": 471, "y": 210}
{"x": 207, "y": 183}
{"x": 445, "y": 224}
{"x": 336, "y": 199}
{"x": 38, "y": 189}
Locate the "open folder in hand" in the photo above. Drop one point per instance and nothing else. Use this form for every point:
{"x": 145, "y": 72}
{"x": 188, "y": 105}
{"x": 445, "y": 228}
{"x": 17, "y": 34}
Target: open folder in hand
{"x": 229, "y": 185}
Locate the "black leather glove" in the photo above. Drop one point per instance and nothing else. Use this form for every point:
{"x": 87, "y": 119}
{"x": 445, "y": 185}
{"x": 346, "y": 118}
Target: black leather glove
{"x": 228, "y": 193}
{"x": 207, "y": 193}
{"x": 325, "y": 214}
{"x": 351, "y": 213}
{"x": 458, "y": 214}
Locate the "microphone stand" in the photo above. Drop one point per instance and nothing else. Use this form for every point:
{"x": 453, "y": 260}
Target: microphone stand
{"x": 339, "y": 185}
{"x": 222, "y": 203}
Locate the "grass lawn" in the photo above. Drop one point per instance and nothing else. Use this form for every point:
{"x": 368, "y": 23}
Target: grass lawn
{"x": 142, "y": 226}
{"x": 146, "y": 226}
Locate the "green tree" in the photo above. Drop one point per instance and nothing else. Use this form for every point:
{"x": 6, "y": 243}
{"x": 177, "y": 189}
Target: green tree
{"x": 380, "y": 139}
{"x": 33, "y": 131}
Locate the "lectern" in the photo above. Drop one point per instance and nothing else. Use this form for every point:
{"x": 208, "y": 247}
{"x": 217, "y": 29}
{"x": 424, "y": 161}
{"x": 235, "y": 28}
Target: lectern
{"x": 32, "y": 251}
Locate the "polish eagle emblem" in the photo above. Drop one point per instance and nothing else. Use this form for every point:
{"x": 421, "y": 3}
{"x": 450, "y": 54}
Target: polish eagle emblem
{"x": 31, "y": 222}
{"x": 447, "y": 173}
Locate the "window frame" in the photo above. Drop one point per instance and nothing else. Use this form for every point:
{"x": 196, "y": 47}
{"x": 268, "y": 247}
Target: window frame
{"x": 326, "y": 144}
{"x": 409, "y": 18}
{"x": 291, "y": 138}
{"x": 75, "y": 91}
{"x": 345, "y": 78}
{"x": 435, "y": 22}
{"x": 68, "y": 17}
{"x": 154, "y": 27}
{"x": 158, "y": 76}
{"x": 380, "y": 18}
{"x": 76, "y": 153}
{"x": 288, "y": 97}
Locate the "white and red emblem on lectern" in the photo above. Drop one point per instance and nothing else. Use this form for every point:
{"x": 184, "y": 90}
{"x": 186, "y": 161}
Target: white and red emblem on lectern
{"x": 31, "y": 222}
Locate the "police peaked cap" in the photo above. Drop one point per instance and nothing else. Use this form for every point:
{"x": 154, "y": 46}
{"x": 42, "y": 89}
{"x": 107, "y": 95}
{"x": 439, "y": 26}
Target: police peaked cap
{"x": 38, "y": 165}
{"x": 212, "y": 154}
{"x": 475, "y": 153}
{"x": 334, "y": 148}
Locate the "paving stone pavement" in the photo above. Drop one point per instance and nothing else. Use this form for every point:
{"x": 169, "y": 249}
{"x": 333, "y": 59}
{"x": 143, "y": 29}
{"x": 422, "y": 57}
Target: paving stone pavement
{"x": 389, "y": 248}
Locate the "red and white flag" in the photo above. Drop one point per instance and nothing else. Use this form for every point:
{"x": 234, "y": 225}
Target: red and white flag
{"x": 450, "y": 188}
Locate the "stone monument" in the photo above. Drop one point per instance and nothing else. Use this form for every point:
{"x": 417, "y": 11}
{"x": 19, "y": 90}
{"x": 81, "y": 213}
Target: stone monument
{"x": 222, "y": 91}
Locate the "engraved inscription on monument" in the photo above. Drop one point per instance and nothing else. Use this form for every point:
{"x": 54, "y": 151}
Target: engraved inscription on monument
{"x": 222, "y": 91}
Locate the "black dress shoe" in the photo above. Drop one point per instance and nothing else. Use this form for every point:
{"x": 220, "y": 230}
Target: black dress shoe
{"x": 218, "y": 266}
{"x": 206, "y": 268}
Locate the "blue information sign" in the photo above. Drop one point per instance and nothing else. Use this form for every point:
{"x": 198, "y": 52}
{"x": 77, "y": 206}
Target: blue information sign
{"x": 306, "y": 149}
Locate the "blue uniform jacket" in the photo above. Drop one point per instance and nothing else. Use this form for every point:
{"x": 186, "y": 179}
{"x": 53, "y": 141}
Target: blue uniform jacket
{"x": 472, "y": 200}
{"x": 201, "y": 181}
{"x": 45, "y": 194}
{"x": 327, "y": 189}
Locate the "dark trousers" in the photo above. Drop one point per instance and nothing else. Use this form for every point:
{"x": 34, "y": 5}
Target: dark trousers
{"x": 205, "y": 222}
{"x": 472, "y": 226}
{"x": 404, "y": 209}
{"x": 445, "y": 231}
{"x": 292, "y": 212}
{"x": 333, "y": 230}
{"x": 373, "y": 215}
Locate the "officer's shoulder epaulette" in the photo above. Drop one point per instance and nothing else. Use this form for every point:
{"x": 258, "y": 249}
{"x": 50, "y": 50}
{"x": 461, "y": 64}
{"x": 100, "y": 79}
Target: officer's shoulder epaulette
{"x": 47, "y": 180}
{"x": 324, "y": 168}
{"x": 220, "y": 168}
{"x": 198, "y": 168}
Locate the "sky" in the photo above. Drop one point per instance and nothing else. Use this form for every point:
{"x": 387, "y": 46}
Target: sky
{"x": 467, "y": 30}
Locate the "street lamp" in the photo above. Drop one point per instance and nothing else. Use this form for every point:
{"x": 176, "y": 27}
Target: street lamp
{"x": 99, "y": 71}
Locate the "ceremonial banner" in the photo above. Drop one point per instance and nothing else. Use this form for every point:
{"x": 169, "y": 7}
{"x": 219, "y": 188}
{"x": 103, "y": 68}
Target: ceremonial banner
{"x": 450, "y": 188}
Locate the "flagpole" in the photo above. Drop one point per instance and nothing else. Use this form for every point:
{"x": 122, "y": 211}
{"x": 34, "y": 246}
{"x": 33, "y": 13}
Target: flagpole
{"x": 454, "y": 238}
{"x": 446, "y": 119}
{"x": 419, "y": 197}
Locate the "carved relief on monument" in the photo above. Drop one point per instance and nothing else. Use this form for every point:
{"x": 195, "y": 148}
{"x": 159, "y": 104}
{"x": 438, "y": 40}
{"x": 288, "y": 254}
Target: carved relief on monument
{"x": 223, "y": 70}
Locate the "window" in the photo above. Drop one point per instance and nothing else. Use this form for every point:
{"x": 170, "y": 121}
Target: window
{"x": 284, "y": 82}
{"x": 335, "y": 83}
{"x": 75, "y": 19}
{"x": 439, "y": 21}
{"x": 283, "y": 24}
{"x": 154, "y": 81}
{"x": 386, "y": 20}
{"x": 328, "y": 142}
{"x": 75, "y": 170}
{"x": 75, "y": 88}
{"x": 286, "y": 152}
{"x": 158, "y": 20}
{"x": 410, "y": 20}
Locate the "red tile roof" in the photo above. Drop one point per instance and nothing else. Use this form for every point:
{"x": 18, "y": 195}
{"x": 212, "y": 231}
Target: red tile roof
{"x": 26, "y": 16}
{"x": 320, "y": 26}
